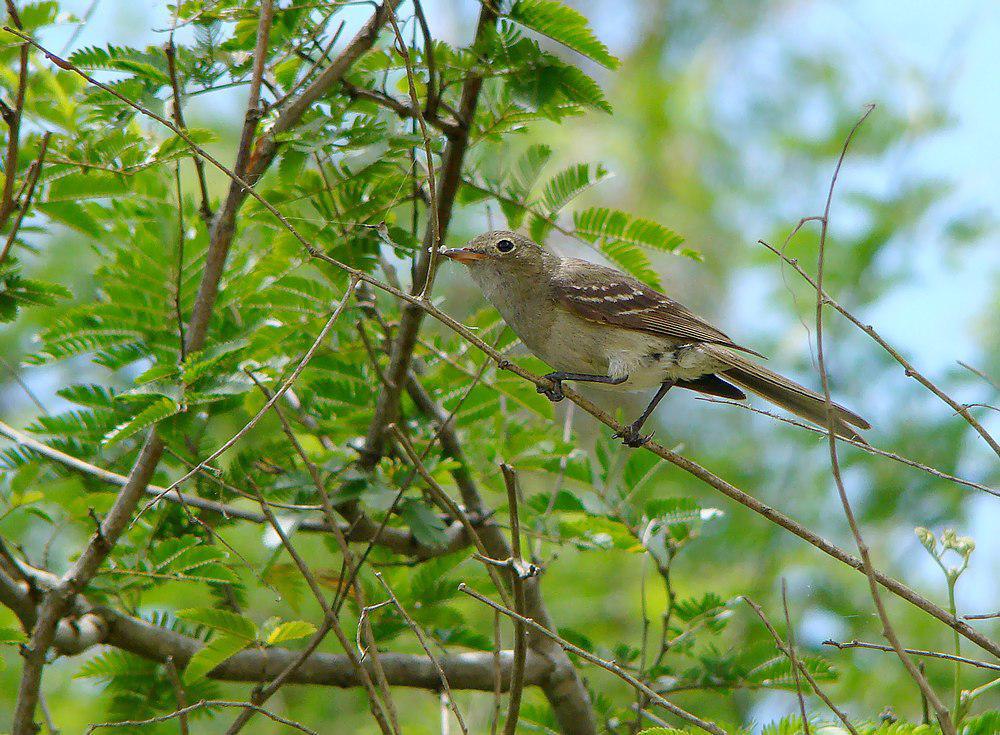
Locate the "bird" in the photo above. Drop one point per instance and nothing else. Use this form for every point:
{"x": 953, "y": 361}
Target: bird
{"x": 596, "y": 324}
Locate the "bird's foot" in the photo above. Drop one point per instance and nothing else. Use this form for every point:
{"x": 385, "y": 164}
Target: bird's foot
{"x": 631, "y": 436}
{"x": 555, "y": 393}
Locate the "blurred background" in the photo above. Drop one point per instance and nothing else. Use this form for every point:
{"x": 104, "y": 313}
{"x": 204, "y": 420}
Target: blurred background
{"x": 728, "y": 118}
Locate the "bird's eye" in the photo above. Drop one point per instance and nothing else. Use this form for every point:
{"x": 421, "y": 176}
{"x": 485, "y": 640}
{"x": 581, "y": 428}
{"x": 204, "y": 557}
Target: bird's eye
{"x": 505, "y": 246}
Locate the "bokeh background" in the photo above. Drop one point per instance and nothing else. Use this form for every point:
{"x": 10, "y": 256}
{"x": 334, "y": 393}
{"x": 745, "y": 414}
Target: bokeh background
{"x": 728, "y": 117}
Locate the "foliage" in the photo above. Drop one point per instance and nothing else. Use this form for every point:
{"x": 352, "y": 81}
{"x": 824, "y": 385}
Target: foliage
{"x": 119, "y": 217}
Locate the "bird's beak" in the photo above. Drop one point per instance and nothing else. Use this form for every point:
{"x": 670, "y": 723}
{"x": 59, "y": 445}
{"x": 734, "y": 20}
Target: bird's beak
{"x": 465, "y": 255}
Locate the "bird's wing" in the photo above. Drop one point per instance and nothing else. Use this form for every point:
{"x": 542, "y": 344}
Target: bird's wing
{"x": 602, "y": 294}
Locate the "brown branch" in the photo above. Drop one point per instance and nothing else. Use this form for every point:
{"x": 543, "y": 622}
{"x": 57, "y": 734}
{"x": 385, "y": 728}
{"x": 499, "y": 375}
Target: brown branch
{"x": 23, "y": 205}
{"x": 908, "y": 367}
{"x": 387, "y": 404}
{"x": 412, "y": 624}
{"x": 607, "y": 665}
{"x": 793, "y": 657}
{"x": 863, "y": 446}
{"x": 13, "y": 119}
{"x": 798, "y": 665}
{"x": 179, "y": 271}
{"x": 887, "y": 629}
{"x": 447, "y": 126}
{"x": 178, "y": 110}
{"x": 179, "y": 694}
{"x": 915, "y": 652}
{"x": 433, "y": 241}
{"x": 517, "y": 583}
{"x": 466, "y": 671}
{"x": 183, "y": 712}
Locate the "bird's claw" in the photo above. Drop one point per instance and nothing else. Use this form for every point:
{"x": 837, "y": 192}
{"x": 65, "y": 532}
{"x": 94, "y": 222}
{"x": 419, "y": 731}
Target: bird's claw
{"x": 631, "y": 437}
{"x": 555, "y": 393}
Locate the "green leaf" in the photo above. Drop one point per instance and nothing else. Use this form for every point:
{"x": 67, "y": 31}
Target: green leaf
{"x": 163, "y": 407}
{"x": 290, "y": 631}
{"x": 613, "y": 225}
{"x": 563, "y": 24}
{"x": 426, "y": 526}
{"x": 222, "y": 621}
{"x": 214, "y": 653}
{"x": 17, "y": 292}
{"x": 12, "y": 635}
{"x": 570, "y": 183}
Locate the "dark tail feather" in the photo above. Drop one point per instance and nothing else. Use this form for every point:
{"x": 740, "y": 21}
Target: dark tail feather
{"x": 788, "y": 394}
{"x": 713, "y": 385}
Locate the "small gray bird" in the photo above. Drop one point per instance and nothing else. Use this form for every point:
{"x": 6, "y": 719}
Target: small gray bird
{"x": 596, "y": 324}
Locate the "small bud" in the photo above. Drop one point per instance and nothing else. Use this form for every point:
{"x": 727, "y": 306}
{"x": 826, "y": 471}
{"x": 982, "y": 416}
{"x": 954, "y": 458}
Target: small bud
{"x": 926, "y": 538}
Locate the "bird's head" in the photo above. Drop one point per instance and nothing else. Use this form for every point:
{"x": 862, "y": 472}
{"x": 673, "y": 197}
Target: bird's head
{"x": 504, "y": 253}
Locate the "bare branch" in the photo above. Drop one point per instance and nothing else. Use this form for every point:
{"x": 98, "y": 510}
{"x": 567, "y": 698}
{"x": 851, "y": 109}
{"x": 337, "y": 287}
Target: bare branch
{"x": 23, "y": 205}
{"x": 887, "y": 629}
{"x": 450, "y": 698}
{"x": 799, "y": 666}
{"x": 789, "y": 651}
{"x": 179, "y": 694}
{"x": 517, "y": 583}
{"x": 908, "y": 367}
{"x": 863, "y": 446}
{"x": 12, "y": 116}
{"x": 915, "y": 652}
{"x": 184, "y": 711}
{"x": 170, "y": 51}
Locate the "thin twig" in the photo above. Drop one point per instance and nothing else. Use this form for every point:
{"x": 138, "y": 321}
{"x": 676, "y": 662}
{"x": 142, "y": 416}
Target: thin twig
{"x": 179, "y": 268}
{"x": 908, "y": 367}
{"x": 607, "y": 665}
{"x": 178, "y": 112}
{"x": 423, "y": 644}
{"x": 517, "y": 584}
{"x": 982, "y": 616}
{"x": 887, "y": 629}
{"x": 24, "y": 204}
{"x": 915, "y": 652}
{"x": 179, "y": 694}
{"x": 435, "y": 234}
{"x": 793, "y": 657}
{"x": 799, "y": 666}
{"x": 863, "y": 446}
{"x": 202, "y": 704}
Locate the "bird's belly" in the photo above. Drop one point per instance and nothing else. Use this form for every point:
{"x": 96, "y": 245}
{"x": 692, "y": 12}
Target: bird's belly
{"x": 575, "y": 345}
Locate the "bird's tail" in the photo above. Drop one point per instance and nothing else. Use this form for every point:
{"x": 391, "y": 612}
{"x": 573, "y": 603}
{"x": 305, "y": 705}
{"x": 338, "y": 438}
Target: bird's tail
{"x": 786, "y": 393}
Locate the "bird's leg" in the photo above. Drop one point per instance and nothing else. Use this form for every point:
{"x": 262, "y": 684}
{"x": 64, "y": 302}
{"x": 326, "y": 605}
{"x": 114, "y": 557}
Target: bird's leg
{"x": 555, "y": 393}
{"x": 630, "y": 434}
